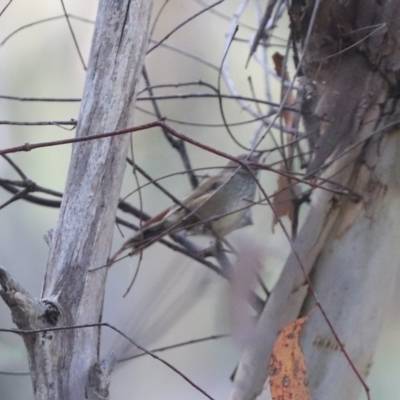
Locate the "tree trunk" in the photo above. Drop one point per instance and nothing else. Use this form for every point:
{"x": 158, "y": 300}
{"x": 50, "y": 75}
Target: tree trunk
{"x": 64, "y": 364}
{"x": 348, "y": 243}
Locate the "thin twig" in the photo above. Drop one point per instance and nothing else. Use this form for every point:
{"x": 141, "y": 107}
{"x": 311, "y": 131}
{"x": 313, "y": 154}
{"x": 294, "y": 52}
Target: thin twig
{"x": 178, "y": 145}
{"x": 73, "y": 35}
{"x": 184, "y": 23}
{"x": 177, "y": 345}
{"x": 38, "y": 123}
{"x": 24, "y": 332}
{"x": 71, "y": 16}
{"x": 5, "y": 8}
{"x": 157, "y": 17}
{"x": 43, "y": 99}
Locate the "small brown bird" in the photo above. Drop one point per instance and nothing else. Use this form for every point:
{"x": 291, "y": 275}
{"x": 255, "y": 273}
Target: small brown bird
{"x": 217, "y": 207}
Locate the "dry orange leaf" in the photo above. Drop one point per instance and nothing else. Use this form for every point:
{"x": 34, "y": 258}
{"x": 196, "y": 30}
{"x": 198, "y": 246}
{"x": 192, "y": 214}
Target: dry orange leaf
{"x": 283, "y": 199}
{"x": 287, "y": 367}
{"x": 288, "y": 116}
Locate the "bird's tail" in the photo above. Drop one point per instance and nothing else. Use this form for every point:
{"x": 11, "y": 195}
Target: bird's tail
{"x": 141, "y": 240}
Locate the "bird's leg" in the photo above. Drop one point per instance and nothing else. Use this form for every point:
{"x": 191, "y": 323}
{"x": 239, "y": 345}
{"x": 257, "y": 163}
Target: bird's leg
{"x": 222, "y": 258}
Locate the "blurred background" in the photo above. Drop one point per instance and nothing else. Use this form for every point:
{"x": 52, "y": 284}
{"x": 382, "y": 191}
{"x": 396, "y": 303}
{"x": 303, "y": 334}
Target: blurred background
{"x": 174, "y": 299}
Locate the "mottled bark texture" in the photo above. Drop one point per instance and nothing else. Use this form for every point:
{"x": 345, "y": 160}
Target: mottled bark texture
{"x": 350, "y": 71}
{"x": 65, "y": 364}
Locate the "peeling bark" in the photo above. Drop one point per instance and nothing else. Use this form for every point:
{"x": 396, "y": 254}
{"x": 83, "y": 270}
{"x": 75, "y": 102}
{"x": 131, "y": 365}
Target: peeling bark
{"x": 354, "y": 277}
{"x": 350, "y": 72}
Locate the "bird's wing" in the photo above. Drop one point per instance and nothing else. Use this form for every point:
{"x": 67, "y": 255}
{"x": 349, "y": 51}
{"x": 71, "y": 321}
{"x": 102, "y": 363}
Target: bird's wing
{"x": 206, "y": 187}
{"x": 159, "y": 217}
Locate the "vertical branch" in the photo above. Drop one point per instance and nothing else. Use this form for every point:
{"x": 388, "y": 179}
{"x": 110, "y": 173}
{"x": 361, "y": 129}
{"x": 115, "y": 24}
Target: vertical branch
{"x": 343, "y": 242}
{"x": 83, "y": 235}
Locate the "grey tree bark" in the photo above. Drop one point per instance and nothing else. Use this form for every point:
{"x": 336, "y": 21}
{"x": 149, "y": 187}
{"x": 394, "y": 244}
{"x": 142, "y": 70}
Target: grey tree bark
{"x": 65, "y": 364}
{"x": 348, "y": 244}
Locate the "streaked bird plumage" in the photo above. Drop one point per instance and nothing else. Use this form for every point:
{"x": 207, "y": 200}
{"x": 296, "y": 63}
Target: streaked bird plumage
{"x": 217, "y": 206}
